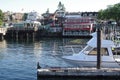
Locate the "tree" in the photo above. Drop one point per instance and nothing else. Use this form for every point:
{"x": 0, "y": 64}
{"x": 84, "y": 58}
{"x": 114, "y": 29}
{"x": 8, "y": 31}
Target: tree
{"x": 1, "y": 17}
{"x": 11, "y": 17}
{"x": 112, "y": 12}
{"x": 1, "y": 22}
{"x": 101, "y": 14}
{"x": 25, "y": 16}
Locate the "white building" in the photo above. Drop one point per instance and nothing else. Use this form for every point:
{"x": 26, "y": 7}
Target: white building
{"x": 33, "y": 16}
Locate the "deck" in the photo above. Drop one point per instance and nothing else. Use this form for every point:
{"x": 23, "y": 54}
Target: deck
{"x": 84, "y": 73}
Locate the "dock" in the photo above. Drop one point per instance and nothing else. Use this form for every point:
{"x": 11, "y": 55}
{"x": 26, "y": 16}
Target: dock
{"x": 3, "y": 31}
{"x": 79, "y": 73}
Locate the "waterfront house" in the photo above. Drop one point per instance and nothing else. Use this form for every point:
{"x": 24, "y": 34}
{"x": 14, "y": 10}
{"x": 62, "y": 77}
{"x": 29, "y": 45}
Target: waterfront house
{"x": 77, "y": 24}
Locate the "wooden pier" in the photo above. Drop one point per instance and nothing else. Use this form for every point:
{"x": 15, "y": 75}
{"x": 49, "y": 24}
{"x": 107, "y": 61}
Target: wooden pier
{"x": 21, "y": 33}
{"x": 3, "y": 31}
{"x": 79, "y": 73}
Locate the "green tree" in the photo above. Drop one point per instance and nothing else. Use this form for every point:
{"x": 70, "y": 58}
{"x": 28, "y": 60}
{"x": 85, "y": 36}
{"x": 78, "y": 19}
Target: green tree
{"x": 11, "y": 18}
{"x": 1, "y": 17}
{"x": 25, "y": 16}
{"x": 101, "y": 14}
{"x": 112, "y": 12}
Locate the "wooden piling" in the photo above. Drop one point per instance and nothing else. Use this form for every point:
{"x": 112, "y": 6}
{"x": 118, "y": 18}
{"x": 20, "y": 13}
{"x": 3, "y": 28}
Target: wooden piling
{"x": 27, "y": 36}
{"x": 98, "y": 48}
{"x": 33, "y": 35}
{"x": 17, "y": 35}
{"x": 1, "y": 36}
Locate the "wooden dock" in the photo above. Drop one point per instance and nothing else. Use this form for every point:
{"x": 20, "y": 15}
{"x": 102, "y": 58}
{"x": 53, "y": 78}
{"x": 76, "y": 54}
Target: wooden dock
{"x": 3, "y": 31}
{"x": 83, "y": 73}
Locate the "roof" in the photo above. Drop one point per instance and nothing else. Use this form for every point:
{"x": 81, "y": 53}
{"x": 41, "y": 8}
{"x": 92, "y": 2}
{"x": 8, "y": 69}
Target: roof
{"x": 104, "y": 43}
{"x": 29, "y": 21}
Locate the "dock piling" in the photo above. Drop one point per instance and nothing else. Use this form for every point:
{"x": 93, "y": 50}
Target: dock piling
{"x": 38, "y": 66}
{"x": 98, "y": 47}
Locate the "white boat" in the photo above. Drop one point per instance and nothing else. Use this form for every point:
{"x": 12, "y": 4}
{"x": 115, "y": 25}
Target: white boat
{"x": 88, "y": 56}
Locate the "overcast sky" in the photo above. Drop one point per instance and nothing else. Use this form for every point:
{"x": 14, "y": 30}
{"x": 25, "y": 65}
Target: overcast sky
{"x": 41, "y": 5}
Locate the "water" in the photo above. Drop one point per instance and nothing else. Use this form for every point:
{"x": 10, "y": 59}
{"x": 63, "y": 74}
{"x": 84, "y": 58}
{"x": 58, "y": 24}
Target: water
{"x": 18, "y": 59}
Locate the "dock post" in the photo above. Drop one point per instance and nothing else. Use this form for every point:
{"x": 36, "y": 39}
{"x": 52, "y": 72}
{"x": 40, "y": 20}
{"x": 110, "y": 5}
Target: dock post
{"x": 12, "y": 34}
{"x": 1, "y": 36}
{"x": 38, "y": 66}
{"x": 33, "y": 35}
{"x": 17, "y": 35}
{"x": 98, "y": 47}
{"x": 27, "y": 35}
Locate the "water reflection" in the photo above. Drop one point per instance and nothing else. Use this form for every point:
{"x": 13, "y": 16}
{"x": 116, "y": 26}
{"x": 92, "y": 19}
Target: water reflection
{"x": 19, "y": 59}
{"x": 3, "y": 45}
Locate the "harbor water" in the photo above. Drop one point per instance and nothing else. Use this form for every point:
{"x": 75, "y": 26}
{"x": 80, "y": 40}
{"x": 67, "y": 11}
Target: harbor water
{"x": 18, "y": 59}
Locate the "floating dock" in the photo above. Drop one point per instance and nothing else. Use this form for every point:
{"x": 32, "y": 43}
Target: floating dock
{"x": 79, "y": 73}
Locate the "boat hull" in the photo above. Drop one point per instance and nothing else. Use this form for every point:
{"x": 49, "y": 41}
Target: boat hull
{"x": 94, "y": 63}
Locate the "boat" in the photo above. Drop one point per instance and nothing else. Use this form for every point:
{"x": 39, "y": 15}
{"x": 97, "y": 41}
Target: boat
{"x": 88, "y": 56}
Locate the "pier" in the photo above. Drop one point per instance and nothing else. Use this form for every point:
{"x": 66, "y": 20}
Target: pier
{"x": 80, "y": 73}
{"x": 21, "y": 33}
{"x": 3, "y": 31}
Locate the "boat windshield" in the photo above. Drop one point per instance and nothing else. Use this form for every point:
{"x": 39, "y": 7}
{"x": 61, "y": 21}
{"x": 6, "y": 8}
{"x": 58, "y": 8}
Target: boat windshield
{"x": 104, "y": 51}
{"x": 87, "y": 49}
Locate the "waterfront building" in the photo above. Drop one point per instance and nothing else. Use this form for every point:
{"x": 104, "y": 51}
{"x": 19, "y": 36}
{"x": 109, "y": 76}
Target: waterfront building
{"x": 30, "y": 23}
{"x": 78, "y": 24}
{"x": 33, "y": 16}
{"x": 7, "y": 16}
{"x": 54, "y": 20}
{"x": 60, "y": 12}
{"x": 18, "y": 16}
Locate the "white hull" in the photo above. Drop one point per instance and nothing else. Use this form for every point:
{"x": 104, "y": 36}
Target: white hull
{"x": 94, "y": 64}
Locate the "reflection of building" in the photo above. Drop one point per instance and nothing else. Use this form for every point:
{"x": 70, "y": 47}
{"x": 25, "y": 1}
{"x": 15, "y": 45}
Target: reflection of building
{"x": 3, "y": 44}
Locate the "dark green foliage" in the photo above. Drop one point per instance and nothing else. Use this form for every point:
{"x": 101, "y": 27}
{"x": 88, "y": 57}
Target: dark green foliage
{"x": 112, "y": 12}
{"x": 1, "y": 17}
{"x": 25, "y": 16}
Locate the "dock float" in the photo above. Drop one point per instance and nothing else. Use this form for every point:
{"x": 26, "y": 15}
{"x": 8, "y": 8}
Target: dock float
{"x": 84, "y": 73}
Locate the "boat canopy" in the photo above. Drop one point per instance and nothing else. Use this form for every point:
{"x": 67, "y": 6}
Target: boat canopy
{"x": 104, "y": 43}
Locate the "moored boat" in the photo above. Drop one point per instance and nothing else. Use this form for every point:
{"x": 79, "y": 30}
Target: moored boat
{"x": 88, "y": 56}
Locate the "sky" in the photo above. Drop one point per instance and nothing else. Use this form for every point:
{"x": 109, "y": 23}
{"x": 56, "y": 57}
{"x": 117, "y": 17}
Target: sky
{"x": 41, "y": 6}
